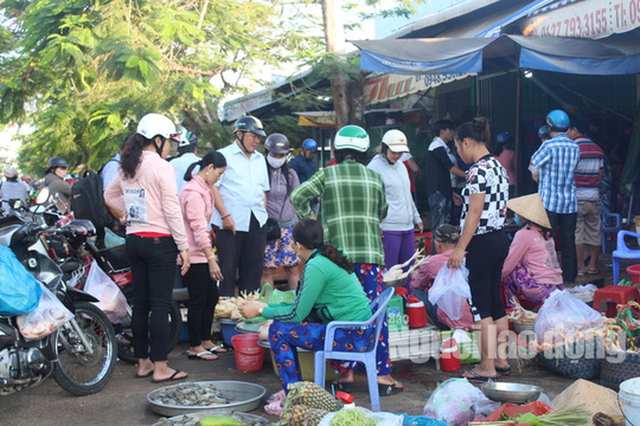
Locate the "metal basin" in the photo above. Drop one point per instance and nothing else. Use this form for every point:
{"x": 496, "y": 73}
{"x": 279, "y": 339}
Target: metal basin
{"x": 515, "y": 393}
{"x": 244, "y": 396}
{"x": 247, "y": 327}
{"x": 394, "y": 283}
{"x": 249, "y": 419}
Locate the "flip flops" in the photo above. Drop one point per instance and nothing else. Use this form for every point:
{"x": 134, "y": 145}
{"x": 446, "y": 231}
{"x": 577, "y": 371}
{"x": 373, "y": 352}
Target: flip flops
{"x": 217, "y": 349}
{"x": 475, "y": 377}
{"x": 387, "y": 390}
{"x": 172, "y": 378}
{"x": 142, "y": 376}
{"x": 202, "y": 355}
{"x": 504, "y": 371}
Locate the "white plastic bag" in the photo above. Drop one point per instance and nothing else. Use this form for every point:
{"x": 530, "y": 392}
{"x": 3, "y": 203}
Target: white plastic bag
{"x": 384, "y": 419}
{"x": 457, "y": 402}
{"x": 451, "y": 290}
{"x": 111, "y": 300}
{"x": 50, "y": 315}
{"x": 563, "y": 314}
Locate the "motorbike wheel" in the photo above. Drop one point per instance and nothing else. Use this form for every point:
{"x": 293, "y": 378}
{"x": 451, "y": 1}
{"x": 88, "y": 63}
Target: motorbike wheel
{"x": 78, "y": 371}
{"x": 124, "y": 334}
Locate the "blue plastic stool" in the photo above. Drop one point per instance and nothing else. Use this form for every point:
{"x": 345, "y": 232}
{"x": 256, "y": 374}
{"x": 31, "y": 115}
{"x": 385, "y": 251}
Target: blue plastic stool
{"x": 379, "y": 304}
{"x": 606, "y": 218}
{"x": 623, "y": 252}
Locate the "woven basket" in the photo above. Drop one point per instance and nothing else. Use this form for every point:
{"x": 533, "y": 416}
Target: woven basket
{"x": 586, "y": 367}
{"x": 613, "y": 374}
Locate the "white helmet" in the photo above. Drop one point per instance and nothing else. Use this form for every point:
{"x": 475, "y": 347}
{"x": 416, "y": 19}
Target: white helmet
{"x": 352, "y": 137}
{"x": 152, "y": 125}
{"x": 396, "y": 141}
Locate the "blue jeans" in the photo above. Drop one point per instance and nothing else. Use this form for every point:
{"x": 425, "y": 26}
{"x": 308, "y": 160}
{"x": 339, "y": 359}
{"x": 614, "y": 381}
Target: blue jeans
{"x": 440, "y": 207}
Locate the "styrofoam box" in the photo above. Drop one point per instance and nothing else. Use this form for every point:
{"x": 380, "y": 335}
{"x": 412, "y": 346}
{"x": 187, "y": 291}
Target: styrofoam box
{"x": 418, "y": 344}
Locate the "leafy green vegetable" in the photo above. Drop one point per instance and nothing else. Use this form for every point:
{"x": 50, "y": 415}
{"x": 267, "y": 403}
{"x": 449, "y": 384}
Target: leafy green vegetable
{"x": 352, "y": 417}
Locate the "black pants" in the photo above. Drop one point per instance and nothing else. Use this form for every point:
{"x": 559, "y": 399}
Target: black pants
{"x": 242, "y": 253}
{"x": 485, "y": 258}
{"x": 203, "y": 298}
{"x": 567, "y": 224}
{"x": 153, "y": 265}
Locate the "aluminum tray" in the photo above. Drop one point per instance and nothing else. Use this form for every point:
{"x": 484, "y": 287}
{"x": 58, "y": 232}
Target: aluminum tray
{"x": 181, "y": 419}
{"x": 248, "y": 396}
{"x": 247, "y": 328}
{"x": 515, "y": 393}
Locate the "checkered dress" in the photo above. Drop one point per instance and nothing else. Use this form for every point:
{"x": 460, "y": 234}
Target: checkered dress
{"x": 489, "y": 177}
{"x": 353, "y": 203}
{"x": 557, "y": 159}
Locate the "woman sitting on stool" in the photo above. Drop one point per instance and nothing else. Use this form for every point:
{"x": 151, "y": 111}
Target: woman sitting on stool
{"x": 531, "y": 270}
{"x": 329, "y": 291}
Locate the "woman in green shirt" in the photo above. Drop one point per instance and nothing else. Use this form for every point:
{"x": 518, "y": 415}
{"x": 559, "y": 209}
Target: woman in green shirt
{"x": 329, "y": 291}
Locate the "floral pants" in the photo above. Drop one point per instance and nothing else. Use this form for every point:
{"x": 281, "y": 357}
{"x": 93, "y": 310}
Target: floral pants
{"x": 521, "y": 285}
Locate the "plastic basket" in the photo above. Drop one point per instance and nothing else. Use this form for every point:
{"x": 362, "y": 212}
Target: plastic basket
{"x": 585, "y": 367}
{"x": 612, "y": 374}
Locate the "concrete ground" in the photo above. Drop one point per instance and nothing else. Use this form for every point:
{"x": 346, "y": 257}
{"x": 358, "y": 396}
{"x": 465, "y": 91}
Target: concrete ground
{"x": 123, "y": 401}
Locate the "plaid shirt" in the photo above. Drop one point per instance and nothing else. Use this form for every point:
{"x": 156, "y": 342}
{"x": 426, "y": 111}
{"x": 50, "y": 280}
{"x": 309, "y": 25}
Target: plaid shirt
{"x": 352, "y": 205}
{"x": 557, "y": 159}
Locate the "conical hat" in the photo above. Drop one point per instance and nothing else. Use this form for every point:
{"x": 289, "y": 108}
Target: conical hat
{"x": 531, "y": 208}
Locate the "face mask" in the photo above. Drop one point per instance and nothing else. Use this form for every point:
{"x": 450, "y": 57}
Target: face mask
{"x": 274, "y": 162}
{"x": 519, "y": 222}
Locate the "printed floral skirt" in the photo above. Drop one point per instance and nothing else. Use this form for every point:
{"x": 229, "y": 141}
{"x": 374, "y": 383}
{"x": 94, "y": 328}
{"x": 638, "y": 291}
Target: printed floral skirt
{"x": 280, "y": 252}
{"x": 521, "y": 285}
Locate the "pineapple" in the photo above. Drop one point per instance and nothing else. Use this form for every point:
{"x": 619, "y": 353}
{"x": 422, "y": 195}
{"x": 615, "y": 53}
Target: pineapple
{"x": 311, "y": 395}
{"x": 301, "y": 415}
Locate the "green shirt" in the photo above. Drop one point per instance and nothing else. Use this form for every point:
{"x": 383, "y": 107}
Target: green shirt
{"x": 352, "y": 204}
{"x": 328, "y": 291}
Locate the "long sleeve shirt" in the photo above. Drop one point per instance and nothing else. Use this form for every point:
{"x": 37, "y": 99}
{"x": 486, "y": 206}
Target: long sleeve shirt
{"x": 403, "y": 214}
{"x": 536, "y": 254}
{"x": 328, "y": 291}
{"x": 196, "y": 200}
{"x": 150, "y": 199}
{"x": 353, "y": 204}
{"x": 278, "y": 205}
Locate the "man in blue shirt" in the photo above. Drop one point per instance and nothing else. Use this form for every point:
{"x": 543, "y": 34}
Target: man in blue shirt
{"x": 187, "y": 155}
{"x": 304, "y": 164}
{"x": 240, "y": 209}
{"x": 556, "y": 161}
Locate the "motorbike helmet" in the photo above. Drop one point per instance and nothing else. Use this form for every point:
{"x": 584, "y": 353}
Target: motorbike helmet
{"x": 504, "y": 137}
{"x": 396, "y": 141}
{"x": 352, "y": 137}
{"x": 277, "y": 143}
{"x": 152, "y": 125}
{"x": 55, "y": 162}
{"x": 558, "y": 120}
{"x": 11, "y": 173}
{"x": 543, "y": 132}
{"x": 310, "y": 144}
{"x": 185, "y": 138}
{"x": 250, "y": 124}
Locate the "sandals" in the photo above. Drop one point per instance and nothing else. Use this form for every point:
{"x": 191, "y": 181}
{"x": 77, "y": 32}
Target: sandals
{"x": 171, "y": 378}
{"x": 342, "y": 386}
{"x": 504, "y": 371}
{"x": 217, "y": 349}
{"x": 475, "y": 377}
{"x": 204, "y": 355}
{"x": 387, "y": 390}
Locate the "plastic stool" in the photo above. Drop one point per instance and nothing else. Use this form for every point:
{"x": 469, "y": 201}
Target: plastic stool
{"x": 614, "y": 295}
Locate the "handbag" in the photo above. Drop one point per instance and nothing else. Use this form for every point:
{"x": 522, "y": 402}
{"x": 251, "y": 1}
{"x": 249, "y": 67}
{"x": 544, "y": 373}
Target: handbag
{"x": 273, "y": 229}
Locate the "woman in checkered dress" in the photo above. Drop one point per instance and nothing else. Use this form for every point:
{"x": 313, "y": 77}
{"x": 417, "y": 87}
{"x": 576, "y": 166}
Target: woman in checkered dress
{"x": 482, "y": 238}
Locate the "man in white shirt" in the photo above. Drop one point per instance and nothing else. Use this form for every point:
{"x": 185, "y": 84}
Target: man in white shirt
{"x": 187, "y": 150}
{"x": 240, "y": 209}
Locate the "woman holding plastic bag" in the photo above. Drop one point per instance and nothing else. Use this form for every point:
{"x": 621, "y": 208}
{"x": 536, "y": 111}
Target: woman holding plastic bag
{"x": 196, "y": 200}
{"x": 531, "y": 271}
{"x": 144, "y": 196}
{"x": 483, "y": 215}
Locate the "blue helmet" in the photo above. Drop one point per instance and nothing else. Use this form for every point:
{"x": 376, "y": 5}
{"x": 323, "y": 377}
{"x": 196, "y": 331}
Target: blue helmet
{"x": 558, "y": 119}
{"x": 310, "y": 144}
{"x": 543, "y": 132}
{"x": 504, "y": 137}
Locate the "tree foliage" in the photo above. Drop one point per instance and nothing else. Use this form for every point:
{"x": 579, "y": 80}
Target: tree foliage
{"x": 83, "y": 72}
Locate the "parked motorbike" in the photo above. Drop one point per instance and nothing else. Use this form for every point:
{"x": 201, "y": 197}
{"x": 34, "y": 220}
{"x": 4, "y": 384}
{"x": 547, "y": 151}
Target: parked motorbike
{"x": 81, "y": 354}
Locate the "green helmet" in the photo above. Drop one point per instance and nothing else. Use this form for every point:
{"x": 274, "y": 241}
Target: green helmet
{"x": 352, "y": 137}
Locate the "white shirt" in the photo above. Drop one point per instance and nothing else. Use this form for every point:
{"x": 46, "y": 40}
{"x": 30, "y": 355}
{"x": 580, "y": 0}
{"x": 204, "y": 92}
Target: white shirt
{"x": 403, "y": 214}
{"x": 181, "y": 164}
{"x": 109, "y": 170}
{"x": 242, "y": 187}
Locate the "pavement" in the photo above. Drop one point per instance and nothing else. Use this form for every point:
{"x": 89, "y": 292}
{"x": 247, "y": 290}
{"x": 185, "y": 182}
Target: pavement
{"x": 123, "y": 401}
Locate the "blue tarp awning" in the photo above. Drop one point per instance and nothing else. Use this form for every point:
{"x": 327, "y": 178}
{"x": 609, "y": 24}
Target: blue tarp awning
{"x": 611, "y": 56}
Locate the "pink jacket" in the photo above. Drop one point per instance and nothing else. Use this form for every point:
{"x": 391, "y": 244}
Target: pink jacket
{"x": 150, "y": 199}
{"x": 536, "y": 254}
{"x": 196, "y": 200}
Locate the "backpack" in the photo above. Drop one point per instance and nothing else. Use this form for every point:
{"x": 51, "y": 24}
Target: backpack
{"x": 87, "y": 200}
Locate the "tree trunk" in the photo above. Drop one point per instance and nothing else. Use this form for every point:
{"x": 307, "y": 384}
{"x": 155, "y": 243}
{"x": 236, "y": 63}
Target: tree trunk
{"x": 334, "y": 37}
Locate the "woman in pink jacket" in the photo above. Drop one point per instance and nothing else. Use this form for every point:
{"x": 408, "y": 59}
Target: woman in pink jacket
{"x": 144, "y": 196}
{"x": 196, "y": 200}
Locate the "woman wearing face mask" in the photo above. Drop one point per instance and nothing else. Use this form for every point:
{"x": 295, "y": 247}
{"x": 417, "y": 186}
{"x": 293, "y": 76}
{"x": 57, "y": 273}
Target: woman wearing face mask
{"x": 531, "y": 270}
{"x": 283, "y": 181}
{"x": 196, "y": 200}
{"x": 144, "y": 196}
{"x": 403, "y": 219}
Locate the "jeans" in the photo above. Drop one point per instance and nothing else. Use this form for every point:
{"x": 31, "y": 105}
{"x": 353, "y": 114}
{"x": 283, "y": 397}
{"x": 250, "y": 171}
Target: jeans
{"x": 203, "y": 298}
{"x": 440, "y": 207}
{"x": 567, "y": 224}
{"x": 153, "y": 265}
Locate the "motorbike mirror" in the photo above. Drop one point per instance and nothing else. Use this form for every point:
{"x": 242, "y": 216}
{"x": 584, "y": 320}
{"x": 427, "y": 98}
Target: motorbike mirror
{"x": 43, "y": 196}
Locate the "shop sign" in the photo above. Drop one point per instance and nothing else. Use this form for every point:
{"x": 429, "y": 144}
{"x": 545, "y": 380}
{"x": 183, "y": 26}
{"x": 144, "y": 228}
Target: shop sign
{"x": 386, "y": 87}
{"x": 586, "y": 19}
{"x": 236, "y": 109}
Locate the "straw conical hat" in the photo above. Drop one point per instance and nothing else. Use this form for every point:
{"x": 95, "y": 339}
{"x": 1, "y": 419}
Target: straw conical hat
{"x": 531, "y": 208}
